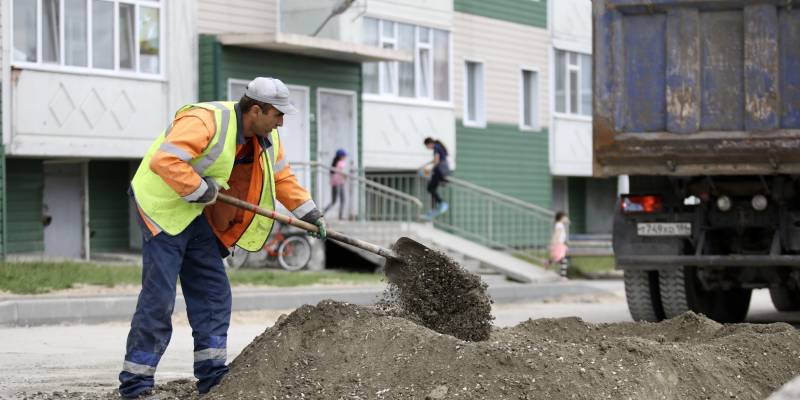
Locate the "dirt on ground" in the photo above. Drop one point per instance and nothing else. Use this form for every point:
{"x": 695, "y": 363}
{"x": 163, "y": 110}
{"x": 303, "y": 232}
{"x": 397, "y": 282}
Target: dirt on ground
{"x": 342, "y": 351}
{"x": 335, "y": 350}
{"x": 431, "y": 338}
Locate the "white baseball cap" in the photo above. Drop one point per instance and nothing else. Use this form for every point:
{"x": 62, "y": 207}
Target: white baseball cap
{"x": 271, "y": 91}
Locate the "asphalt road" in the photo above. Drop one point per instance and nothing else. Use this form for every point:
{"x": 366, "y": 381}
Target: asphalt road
{"x": 87, "y": 358}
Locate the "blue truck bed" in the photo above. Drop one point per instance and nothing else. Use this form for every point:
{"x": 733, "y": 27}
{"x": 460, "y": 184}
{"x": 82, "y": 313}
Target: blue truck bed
{"x": 694, "y": 87}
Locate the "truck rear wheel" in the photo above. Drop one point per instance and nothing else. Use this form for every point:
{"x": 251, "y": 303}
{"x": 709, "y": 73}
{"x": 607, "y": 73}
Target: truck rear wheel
{"x": 785, "y": 299}
{"x": 641, "y": 292}
{"x": 681, "y": 291}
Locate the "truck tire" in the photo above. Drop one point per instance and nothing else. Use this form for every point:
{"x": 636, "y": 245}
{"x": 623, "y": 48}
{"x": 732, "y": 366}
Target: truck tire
{"x": 785, "y": 299}
{"x": 681, "y": 291}
{"x": 641, "y": 292}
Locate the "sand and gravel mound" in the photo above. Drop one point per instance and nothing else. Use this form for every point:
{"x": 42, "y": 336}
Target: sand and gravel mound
{"x": 341, "y": 351}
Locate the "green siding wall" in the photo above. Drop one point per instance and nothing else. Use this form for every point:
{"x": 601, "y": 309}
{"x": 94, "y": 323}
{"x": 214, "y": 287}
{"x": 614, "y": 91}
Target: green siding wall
{"x": 24, "y": 205}
{"x": 220, "y": 63}
{"x": 208, "y": 60}
{"x": 526, "y": 12}
{"x": 108, "y": 205}
{"x": 576, "y": 188}
{"x": 503, "y": 158}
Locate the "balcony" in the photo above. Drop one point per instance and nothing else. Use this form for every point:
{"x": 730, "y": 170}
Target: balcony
{"x": 319, "y": 28}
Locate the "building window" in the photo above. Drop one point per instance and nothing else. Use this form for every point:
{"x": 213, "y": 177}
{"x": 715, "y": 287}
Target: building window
{"x": 124, "y": 36}
{"x": 426, "y": 77}
{"x": 573, "y": 83}
{"x": 529, "y": 100}
{"x": 441, "y": 64}
{"x": 236, "y": 89}
{"x": 474, "y": 114}
{"x": 76, "y": 22}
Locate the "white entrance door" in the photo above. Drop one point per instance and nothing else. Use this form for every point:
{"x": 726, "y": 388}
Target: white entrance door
{"x": 295, "y": 134}
{"x": 63, "y": 209}
{"x": 337, "y": 128}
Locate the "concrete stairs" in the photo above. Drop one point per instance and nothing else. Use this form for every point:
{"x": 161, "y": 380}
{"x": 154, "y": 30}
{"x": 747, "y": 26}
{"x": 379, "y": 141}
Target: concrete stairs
{"x": 470, "y": 255}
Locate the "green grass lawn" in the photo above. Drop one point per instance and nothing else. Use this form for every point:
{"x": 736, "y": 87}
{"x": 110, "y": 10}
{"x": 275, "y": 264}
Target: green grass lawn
{"x": 579, "y": 266}
{"x": 43, "y": 277}
{"x": 584, "y": 265}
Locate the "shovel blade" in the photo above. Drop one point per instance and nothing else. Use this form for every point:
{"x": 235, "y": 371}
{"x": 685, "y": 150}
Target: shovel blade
{"x": 405, "y": 249}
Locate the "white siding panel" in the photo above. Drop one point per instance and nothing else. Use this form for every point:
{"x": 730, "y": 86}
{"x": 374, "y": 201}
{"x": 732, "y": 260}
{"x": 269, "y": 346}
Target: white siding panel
{"x": 571, "y": 136}
{"x": 571, "y": 147}
{"x": 72, "y": 115}
{"x": 3, "y": 40}
{"x": 572, "y": 23}
{"x": 504, "y": 48}
{"x": 393, "y": 134}
{"x": 237, "y": 16}
{"x": 432, "y": 13}
{"x": 182, "y": 49}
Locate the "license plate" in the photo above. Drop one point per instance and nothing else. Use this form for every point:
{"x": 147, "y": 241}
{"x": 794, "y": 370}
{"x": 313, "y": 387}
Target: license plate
{"x": 664, "y": 229}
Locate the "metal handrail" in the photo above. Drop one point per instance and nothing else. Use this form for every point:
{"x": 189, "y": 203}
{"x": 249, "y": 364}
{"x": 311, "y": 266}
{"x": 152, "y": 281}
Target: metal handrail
{"x": 361, "y": 179}
{"x": 500, "y": 196}
{"x": 483, "y": 215}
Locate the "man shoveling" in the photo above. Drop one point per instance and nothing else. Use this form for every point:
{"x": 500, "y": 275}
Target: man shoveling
{"x": 231, "y": 147}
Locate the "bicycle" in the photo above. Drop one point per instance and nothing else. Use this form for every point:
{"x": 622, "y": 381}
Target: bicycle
{"x": 291, "y": 251}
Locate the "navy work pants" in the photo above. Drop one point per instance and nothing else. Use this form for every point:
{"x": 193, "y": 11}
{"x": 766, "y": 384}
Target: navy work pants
{"x": 194, "y": 256}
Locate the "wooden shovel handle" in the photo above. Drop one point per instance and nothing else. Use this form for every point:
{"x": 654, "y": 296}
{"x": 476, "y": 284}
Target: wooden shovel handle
{"x": 285, "y": 219}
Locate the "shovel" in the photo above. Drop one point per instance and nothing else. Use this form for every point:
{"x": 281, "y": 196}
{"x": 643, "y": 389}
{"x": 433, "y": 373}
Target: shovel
{"x": 446, "y": 301}
{"x": 395, "y": 259}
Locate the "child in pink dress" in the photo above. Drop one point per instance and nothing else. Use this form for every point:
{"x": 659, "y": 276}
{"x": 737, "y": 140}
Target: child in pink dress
{"x": 558, "y": 243}
{"x": 337, "y": 180}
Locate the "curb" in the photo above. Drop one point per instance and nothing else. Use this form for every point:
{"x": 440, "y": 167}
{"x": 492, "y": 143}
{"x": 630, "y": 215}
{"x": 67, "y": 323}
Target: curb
{"x": 616, "y": 274}
{"x": 97, "y": 309}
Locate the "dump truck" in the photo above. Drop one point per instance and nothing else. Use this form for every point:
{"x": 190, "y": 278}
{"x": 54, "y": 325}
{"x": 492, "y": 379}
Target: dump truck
{"x": 698, "y": 103}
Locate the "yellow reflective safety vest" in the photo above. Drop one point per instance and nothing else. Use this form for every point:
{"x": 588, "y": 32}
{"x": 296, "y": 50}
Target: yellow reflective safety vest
{"x": 172, "y": 213}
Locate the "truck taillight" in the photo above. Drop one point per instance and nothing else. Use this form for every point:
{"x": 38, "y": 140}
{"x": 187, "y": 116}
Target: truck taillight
{"x": 641, "y": 204}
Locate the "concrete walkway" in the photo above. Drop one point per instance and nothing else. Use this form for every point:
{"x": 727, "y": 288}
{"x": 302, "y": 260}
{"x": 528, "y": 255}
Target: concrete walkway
{"x": 46, "y": 310}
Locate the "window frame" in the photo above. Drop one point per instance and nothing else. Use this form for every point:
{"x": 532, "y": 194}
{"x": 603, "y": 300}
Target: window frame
{"x": 418, "y": 47}
{"x": 234, "y": 81}
{"x": 116, "y": 72}
{"x": 394, "y": 96}
{"x": 536, "y": 124}
{"x": 480, "y": 101}
{"x": 393, "y": 66}
{"x": 568, "y": 113}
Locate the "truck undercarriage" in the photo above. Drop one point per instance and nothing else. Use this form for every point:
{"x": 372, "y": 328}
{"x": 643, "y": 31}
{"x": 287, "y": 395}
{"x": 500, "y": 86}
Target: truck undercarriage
{"x": 703, "y": 243}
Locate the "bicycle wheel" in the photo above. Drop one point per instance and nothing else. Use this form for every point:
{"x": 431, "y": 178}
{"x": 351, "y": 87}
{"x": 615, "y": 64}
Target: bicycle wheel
{"x": 294, "y": 253}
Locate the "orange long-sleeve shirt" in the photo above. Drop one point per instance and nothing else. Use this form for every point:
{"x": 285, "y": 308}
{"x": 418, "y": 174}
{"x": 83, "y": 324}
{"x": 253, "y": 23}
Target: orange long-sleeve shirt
{"x": 190, "y": 134}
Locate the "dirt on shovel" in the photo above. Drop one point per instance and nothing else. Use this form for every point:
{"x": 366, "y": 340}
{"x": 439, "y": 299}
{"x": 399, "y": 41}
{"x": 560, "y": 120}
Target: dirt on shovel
{"x": 431, "y": 289}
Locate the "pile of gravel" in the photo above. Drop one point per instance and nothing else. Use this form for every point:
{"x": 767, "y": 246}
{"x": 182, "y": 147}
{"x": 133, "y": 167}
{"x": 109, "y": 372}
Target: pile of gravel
{"x": 342, "y": 351}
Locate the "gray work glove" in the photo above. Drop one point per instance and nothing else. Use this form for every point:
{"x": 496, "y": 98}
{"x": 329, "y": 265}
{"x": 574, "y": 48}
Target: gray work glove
{"x": 208, "y": 197}
{"x": 315, "y": 217}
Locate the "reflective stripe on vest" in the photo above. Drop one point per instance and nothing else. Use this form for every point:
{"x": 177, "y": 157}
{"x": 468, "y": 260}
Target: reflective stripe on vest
{"x": 202, "y": 163}
{"x": 159, "y": 201}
